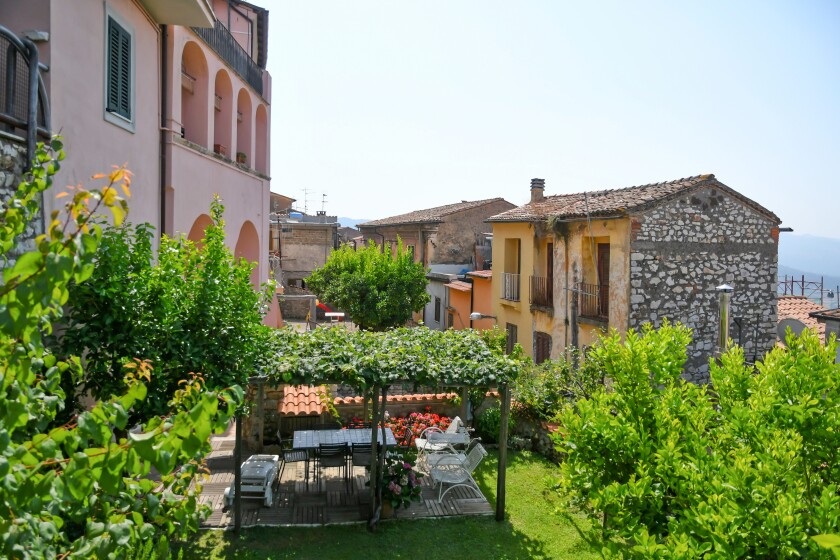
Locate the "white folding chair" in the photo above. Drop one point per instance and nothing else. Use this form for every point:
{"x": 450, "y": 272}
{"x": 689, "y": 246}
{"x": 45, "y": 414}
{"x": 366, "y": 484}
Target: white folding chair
{"x": 459, "y": 474}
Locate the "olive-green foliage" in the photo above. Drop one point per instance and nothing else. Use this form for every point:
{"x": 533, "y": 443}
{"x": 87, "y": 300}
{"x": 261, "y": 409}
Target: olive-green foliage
{"x": 195, "y": 310}
{"x": 78, "y": 490}
{"x": 489, "y": 422}
{"x": 377, "y": 290}
{"x": 542, "y": 391}
{"x": 674, "y": 470}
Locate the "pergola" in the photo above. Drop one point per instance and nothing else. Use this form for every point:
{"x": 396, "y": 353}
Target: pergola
{"x": 373, "y": 361}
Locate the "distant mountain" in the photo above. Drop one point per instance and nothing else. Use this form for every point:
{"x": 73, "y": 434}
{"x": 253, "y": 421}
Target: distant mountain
{"x": 817, "y": 256}
{"x": 352, "y": 222}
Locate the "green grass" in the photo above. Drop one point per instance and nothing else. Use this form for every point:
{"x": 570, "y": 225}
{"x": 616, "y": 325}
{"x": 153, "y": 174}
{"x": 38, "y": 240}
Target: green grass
{"x": 531, "y": 530}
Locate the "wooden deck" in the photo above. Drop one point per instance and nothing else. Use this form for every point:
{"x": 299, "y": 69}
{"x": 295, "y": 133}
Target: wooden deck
{"x": 331, "y": 502}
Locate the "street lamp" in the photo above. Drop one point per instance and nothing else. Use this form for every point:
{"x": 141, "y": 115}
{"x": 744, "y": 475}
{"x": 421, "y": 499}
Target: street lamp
{"x": 475, "y": 316}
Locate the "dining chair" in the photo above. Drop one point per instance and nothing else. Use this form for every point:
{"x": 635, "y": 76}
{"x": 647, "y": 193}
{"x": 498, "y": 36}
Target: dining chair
{"x": 333, "y": 456}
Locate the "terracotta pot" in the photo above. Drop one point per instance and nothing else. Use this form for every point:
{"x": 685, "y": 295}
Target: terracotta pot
{"x": 387, "y": 511}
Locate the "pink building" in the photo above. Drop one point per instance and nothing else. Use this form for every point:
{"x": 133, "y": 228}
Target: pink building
{"x": 175, "y": 89}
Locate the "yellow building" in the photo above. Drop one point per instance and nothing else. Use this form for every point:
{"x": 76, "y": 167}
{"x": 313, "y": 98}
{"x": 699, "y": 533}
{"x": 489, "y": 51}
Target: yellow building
{"x": 567, "y": 268}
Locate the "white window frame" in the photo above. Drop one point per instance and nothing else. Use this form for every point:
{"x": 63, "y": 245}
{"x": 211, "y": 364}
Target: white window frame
{"x": 111, "y": 117}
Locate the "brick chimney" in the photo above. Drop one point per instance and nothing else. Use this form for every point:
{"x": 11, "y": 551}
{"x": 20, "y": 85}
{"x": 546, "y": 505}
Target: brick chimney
{"x": 537, "y": 190}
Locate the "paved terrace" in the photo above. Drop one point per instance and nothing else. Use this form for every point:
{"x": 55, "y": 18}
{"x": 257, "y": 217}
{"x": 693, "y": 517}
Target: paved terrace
{"x": 332, "y": 502}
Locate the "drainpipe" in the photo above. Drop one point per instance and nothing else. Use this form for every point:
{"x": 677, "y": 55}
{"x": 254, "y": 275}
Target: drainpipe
{"x": 164, "y": 115}
{"x": 724, "y": 294}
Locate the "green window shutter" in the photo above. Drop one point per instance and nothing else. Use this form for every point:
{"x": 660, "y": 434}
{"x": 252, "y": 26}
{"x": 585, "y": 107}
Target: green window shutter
{"x": 119, "y": 70}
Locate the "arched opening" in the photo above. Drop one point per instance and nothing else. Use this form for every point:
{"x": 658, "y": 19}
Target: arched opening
{"x": 194, "y": 90}
{"x": 198, "y": 228}
{"x": 223, "y": 114}
{"x": 248, "y": 248}
{"x": 261, "y": 147}
{"x": 244, "y": 118}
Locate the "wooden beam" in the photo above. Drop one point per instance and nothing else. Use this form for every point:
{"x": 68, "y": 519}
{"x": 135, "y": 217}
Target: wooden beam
{"x": 374, "y": 464}
{"x": 503, "y": 437}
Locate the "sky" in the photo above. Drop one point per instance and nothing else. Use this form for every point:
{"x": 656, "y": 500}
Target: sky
{"x": 392, "y": 106}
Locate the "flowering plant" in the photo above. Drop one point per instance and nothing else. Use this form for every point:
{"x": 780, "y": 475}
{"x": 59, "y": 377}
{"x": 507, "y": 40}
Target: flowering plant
{"x": 417, "y": 421}
{"x": 400, "y": 482}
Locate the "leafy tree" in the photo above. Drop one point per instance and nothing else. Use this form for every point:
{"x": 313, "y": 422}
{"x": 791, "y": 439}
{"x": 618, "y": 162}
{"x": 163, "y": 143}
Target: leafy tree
{"x": 193, "y": 310}
{"x": 375, "y": 289}
{"x": 76, "y": 490}
{"x": 750, "y": 469}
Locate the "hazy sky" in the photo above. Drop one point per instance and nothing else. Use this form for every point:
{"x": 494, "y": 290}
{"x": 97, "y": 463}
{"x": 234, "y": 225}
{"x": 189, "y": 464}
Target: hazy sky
{"x": 392, "y": 106}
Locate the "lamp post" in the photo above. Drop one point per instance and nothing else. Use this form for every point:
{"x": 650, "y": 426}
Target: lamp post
{"x": 475, "y": 316}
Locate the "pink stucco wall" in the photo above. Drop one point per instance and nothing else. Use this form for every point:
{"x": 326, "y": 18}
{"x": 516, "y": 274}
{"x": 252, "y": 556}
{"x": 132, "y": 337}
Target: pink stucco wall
{"x": 76, "y": 55}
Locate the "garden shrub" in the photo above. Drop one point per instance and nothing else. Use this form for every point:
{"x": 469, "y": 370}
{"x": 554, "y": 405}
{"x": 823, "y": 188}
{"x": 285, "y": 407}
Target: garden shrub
{"x": 489, "y": 421}
{"x": 748, "y": 467}
{"x": 542, "y": 390}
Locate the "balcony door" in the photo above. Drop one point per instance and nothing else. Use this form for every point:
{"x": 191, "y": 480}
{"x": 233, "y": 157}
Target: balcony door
{"x": 603, "y": 279}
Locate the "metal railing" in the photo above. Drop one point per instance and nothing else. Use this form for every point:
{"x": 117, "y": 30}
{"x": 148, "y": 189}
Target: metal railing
{"x": 220, "y": 40}
{"x": 593, "y": 300}
{"x": 542, "y": 291}
{"x": 24, "y": 110}
{"x": 510, "y": 286}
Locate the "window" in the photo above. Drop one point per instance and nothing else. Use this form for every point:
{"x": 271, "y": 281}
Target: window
{"x": 512, "y": 332}
{"x": 119, "y": 72}
{"x": 542, "y": 347}
{"x": 437, "y": 310}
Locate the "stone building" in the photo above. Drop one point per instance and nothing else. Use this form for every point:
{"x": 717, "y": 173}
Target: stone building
{"x": 616, "y": 259}
{"x": 302, "y": 243}
{"x": 446, "y": 239}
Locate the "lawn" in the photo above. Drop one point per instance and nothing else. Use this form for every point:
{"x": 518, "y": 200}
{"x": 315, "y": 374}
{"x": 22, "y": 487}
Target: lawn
{"x": 532, "y": 529}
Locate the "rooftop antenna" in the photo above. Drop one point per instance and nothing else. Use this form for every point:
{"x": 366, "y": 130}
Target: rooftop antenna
{"x": 306, "y": 200}
{"x": 323, "y": 201}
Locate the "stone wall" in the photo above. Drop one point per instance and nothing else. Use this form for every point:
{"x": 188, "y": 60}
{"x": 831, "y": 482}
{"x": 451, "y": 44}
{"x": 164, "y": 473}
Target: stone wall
{"x": 12, "y": 161}
{"x": 683, "y": 249}
{"x": 459, "y": 233}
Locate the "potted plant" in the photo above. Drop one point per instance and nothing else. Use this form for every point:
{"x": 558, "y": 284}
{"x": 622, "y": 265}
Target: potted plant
{"x": 400, "y": 484}
{"x": 241, "y": 157}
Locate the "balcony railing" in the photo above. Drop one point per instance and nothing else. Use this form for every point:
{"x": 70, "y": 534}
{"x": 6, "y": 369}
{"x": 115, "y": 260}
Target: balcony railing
{"x": 220, "y": 40}
{"x": 510, "y": 286}
{"x": 594, "y": 300}
{"x": 542, "y": 291}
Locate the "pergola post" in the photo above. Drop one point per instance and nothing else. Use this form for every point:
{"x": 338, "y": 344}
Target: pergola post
{"x": 374, "y": 465}
{"x": 503, "y": 437}
{"x": 237, "y": 475}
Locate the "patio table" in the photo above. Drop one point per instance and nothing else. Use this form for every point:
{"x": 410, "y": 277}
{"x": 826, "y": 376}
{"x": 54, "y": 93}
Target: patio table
{"x": 311, "y": 439}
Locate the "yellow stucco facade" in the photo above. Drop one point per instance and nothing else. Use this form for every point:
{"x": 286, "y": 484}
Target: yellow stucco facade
{"x": 537, "y": 272}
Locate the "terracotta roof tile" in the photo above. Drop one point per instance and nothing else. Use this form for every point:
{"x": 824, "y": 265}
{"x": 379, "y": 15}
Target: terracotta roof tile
{"x": 481, "y": 273}
{"x": 833, "y": 314}
{"x": 459, "y": 285}
{"x": 429, "y": 215}
{"x": 301, "y": 400}
{"x": 617, "y": 202}
{"x": 800, "y": 308}
{"x": 410, "y": 398}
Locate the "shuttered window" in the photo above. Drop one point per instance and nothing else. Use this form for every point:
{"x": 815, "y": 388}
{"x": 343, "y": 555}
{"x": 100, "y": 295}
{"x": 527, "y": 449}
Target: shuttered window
{"x": 118, "y": 80}
{"x": 542, "y": 347}
{"x": 512, "y": 332}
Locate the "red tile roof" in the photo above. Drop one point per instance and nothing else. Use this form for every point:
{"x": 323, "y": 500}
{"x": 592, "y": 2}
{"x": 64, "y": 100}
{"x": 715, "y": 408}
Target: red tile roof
{"x": 831, "y": 314}
{"x": 459, "y": 285}
{"x": 430, "y": 215}
{"x": 618, "y": 202}
{"x": 800, "y": 308}
{"x": 481, "y": 273}
{"x": 301, "y": 400}
{"x": 415, "y": 398}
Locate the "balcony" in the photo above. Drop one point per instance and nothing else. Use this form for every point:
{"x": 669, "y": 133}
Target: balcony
{"x": 220, "y": 40}
{"x": 594, "y": 301}
{"x": 510, "y": 286}
{"x": 542, "y": 291}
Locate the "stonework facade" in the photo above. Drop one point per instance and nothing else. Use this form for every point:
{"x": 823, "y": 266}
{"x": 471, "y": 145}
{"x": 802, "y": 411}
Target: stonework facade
{"x": 12, "y": 162}
{"x": 682, "y": 249}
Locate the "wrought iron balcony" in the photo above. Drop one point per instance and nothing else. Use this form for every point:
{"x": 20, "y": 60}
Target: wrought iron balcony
{"x": 510, "y": 286}
{"x": 594, "y": 301}
{"x": 220, "y": 40}
{"x": 542, "y": 291}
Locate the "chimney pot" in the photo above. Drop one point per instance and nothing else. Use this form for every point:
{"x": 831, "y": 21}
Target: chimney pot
{"x": 537, "y": 190}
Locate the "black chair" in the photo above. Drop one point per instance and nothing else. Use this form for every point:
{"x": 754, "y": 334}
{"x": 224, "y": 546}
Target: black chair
{"x": 333, "y": 456}
{"x": 296, "y": 456}
{"x": 361, "y": 455}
